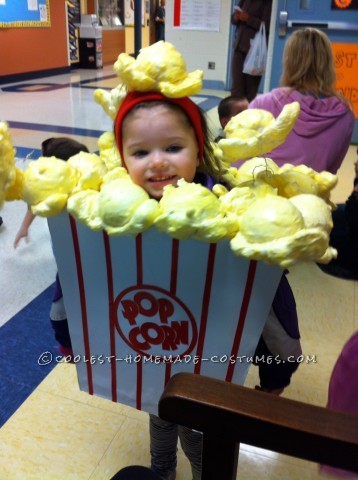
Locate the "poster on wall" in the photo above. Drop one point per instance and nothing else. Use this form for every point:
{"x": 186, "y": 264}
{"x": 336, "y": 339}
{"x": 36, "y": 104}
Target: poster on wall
{"x": 346, "y": 64}
{"x": 129, "y": 13}
{"x": 24, "y": 13}
{"x": 197, "y": 15}
{"x": 344, "y": 5}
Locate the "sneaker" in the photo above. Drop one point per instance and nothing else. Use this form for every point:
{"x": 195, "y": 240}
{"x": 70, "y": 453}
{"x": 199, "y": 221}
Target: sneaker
{"x": 171, "y": 476}
{"x": 67, "y": 353}
{"x": 274, "y": 391}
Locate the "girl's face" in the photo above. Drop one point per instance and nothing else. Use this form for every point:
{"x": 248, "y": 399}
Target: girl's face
{"x": 159, "y": 148}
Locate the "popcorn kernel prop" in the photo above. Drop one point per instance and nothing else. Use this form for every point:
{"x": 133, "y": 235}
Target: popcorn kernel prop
{"x": 279, "y": 231}
{"x": 255, "y": 132}
{"x": 48, "y": 183}
{"x": 158, "y": 68}
{"x": 11, "y": 178}
{"x": 108, "y": 151}
{"x": 192, "y": 211}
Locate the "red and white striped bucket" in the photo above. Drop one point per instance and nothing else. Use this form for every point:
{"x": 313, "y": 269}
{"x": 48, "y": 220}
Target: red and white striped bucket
{"x": 142, "y": 309}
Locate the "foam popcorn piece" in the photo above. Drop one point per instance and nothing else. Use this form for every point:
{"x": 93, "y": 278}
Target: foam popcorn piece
{"x": 110, "y": 101}
{"x": 314, "y": 210}
{"x": 108, "y": 151}
{"x": 274, "y": 230}
{"x": 11, "y": 178}
{"x": 192, "y": 211}
{"x": 48, "y": 182}
{"x": 91, "y": 169}
{"x": 84, "y": 207}
{"x": 255, "y": 132}
{"x": 125, "y": 208}
{"x": 159, "y": 67}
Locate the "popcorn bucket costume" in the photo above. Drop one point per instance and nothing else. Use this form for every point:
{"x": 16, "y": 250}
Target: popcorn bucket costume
{"x": 135, "y": 323}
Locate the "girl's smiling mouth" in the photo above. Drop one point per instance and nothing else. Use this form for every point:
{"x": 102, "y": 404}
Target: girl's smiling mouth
{"x": 161, "y": 178}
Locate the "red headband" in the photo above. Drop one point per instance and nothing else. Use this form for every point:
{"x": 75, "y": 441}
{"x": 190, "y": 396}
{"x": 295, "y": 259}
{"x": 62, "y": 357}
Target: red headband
{"x": 133, "y": 98}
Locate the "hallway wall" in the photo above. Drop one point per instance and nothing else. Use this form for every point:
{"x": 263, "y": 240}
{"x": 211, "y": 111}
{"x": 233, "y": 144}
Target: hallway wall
{"x": 35, "y": 49}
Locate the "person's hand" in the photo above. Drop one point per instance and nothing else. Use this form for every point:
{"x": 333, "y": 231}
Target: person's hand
{"x": 236, "y": 16}
{"x": 22, "y": 233}
{"x": 243, "y": 16}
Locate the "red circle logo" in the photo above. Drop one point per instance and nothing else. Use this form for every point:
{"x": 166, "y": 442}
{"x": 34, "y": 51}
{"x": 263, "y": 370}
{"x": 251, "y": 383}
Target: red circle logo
{"x": 152, "y": 321}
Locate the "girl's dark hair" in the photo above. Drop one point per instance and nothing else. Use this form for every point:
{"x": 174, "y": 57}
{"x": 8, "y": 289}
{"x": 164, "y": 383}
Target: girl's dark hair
{"x": 62, "y": 147}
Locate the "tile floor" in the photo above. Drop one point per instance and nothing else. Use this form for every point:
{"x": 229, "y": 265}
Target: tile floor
{"x": 62, "y": 433}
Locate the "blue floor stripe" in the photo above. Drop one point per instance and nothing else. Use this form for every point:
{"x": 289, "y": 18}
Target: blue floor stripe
{"x": 56, "y": 128}
{"x": 24, "y": 152}
{"x": 22, "y": 340}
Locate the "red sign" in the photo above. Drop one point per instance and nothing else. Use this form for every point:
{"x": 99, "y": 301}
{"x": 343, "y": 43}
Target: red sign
{"x": 346, "y": 64}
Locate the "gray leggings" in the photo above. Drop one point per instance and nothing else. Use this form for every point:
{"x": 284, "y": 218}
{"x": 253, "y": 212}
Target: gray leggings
{"x": 163, "y": 447}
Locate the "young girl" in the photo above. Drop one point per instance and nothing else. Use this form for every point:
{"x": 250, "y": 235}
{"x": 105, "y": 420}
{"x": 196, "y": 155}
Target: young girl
{"x": 62, "y": 148}
{"x": 161, "y": 140}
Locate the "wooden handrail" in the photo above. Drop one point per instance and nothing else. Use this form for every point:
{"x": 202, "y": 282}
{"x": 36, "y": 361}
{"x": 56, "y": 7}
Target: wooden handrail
{"x": 229, "y": 414}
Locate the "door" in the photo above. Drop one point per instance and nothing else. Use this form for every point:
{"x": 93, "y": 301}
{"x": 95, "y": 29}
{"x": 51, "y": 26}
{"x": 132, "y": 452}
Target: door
{"x": 339, "y": 20}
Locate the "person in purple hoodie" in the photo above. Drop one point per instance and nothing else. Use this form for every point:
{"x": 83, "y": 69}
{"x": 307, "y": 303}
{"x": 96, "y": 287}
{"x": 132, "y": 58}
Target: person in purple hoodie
{"x": 322, "y": 133}
{"x": 320, "y": 139}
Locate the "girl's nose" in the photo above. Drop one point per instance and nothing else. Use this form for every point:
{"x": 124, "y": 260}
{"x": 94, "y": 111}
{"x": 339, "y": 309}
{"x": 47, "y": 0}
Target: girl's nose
{"x": 158, "y": 159}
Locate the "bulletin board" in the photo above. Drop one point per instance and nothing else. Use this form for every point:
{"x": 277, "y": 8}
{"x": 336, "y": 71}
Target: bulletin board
{"x": 197, "y": 15}
{"x": 24, "y": 13}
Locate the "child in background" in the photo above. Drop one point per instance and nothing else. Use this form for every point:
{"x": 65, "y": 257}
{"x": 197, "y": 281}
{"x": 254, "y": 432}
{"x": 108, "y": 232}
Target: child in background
{"x": 62, "y": 148}
{"x": 228, "y": 108}
{"x": 161, "y": 140}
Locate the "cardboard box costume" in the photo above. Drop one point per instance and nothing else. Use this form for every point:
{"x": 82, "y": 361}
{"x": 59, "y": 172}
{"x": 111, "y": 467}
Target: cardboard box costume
{"x": 142, "y": 309}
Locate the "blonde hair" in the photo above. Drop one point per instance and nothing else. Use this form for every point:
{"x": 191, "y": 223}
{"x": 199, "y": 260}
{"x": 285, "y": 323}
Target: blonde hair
{"x": 308, "y": 64}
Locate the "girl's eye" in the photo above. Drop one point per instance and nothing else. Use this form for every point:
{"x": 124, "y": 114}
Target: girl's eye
{"x": 174, "y": 148}
{"x": 139, "y": 153}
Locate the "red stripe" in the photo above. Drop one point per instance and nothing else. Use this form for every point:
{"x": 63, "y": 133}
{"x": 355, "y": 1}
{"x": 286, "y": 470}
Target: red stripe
{"x": 139, "y": 254}
{"x": 168, "y": 373}
{"x": 139, "y": 385}
{"x": 174, "y": 271}
{"x": 242, "y": 317}
{"x": 81, "y": 287}
{"x": 177, "y": 8}
{"x": 112, "y": 315}
{"x": 205, "y": 305}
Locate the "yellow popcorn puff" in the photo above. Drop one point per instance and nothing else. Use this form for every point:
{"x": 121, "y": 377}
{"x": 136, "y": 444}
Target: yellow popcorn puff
{"x": 91, "y": 170}
{"x": 48, "y": 182}
{"x": 125, "y": 208}
{"x": 159, "y": 68}
{"x": 274, "y": 230}
{"x": 192, "y": 211}
{"x": 11, "y": 178}
{"x": 255, "y": 132}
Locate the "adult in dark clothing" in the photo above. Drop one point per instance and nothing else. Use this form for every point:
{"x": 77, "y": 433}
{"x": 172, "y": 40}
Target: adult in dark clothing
{"x": 247, "y": 20}
{"x": 160, "y": 22}
{"x": 344, "y": 237}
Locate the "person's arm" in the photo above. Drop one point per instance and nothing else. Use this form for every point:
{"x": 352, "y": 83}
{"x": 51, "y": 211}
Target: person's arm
{"x": 255, "y": 22}
{"x": 24, "y": 229}
{"x": 236, "y": 15}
